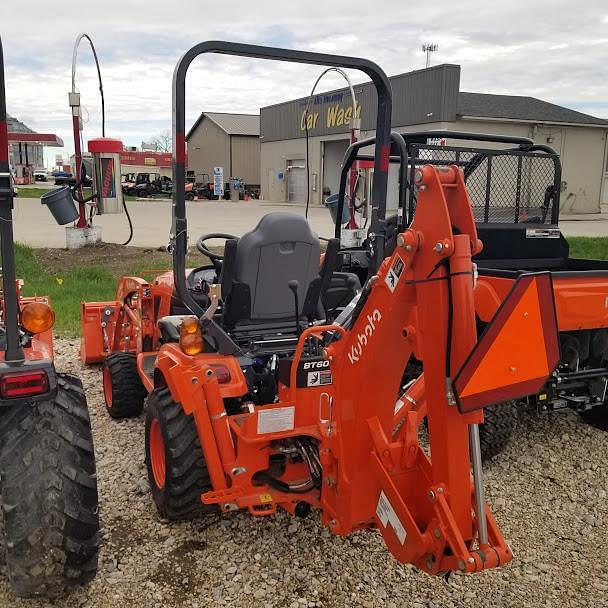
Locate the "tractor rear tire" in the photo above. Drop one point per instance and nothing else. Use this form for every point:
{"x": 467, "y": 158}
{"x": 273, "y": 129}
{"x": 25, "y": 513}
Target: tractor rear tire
{"x": 177, "y": 471}
{"x": 495, "y": 432}
{"x": 123, "y": 389}
{"x": 49, "y": 492}
{"x": 597, "y": 417}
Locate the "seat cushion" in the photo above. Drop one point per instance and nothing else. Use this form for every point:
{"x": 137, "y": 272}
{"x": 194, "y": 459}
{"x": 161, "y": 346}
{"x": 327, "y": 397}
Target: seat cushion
{"x": 169, "y": 327}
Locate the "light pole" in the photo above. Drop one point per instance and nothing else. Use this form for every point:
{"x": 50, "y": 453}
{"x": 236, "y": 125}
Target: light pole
{"x": 428, "y": 48}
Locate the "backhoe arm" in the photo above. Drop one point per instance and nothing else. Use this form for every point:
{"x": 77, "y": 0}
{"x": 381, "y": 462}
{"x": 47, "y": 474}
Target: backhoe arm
{"x": 430, "y": 511}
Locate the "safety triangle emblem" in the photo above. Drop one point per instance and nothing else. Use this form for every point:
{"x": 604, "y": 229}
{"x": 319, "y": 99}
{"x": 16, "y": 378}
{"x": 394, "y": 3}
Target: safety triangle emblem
{"x": 518, "y": 350}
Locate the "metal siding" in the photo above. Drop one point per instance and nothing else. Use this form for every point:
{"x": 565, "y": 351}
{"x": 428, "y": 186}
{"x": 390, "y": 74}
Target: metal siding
{"x": 418, "y": 97}
{"x": 246, "y": 158}
{"x": 236, "y": 124}
{"x": 208, "y": 147}
{"x": 581, "y": 150}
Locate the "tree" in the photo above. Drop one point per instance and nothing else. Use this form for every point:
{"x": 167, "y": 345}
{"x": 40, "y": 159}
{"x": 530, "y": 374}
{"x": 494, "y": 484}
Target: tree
{"x": 163, "y": 141}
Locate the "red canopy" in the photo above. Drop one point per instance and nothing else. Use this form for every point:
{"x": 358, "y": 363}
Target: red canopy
{"x": 44, "y": 139}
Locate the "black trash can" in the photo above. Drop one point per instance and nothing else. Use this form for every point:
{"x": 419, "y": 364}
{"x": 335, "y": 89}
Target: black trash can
{"x": 61, "y": 205}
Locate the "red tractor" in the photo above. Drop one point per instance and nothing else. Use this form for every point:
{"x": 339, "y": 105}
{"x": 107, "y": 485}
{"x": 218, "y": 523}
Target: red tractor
{"x": 255, "y": 399}
{"x": 47, "y": 465}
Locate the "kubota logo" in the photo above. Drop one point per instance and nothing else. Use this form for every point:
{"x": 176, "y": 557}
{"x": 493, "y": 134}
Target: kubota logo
{"x": 356, "y": 350}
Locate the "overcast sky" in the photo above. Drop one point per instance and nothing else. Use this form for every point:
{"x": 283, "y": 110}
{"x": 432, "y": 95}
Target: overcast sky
{"x": 556, "y": 50}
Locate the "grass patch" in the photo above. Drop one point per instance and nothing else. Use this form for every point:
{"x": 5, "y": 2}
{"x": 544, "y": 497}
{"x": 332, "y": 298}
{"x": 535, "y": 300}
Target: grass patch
{"x": 66, "y": 289}
{"x": 91, "y": 273}
{"x": 589, "y": 248}
{"x": 87, "y": 275}
{"x": 34, "y": 192}
{"x": 26, "y": 192}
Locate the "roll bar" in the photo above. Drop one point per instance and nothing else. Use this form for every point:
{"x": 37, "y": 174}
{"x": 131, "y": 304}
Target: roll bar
{"x": 382, "y": 152}
{"x": 14, "y": 351}
{"x": 350, "y": 156}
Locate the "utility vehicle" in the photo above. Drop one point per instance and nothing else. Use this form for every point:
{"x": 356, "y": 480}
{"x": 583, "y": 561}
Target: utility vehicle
{"x": 514, "y": 186}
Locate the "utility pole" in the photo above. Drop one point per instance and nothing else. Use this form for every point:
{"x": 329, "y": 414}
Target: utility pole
{"x": 428, "y": 48}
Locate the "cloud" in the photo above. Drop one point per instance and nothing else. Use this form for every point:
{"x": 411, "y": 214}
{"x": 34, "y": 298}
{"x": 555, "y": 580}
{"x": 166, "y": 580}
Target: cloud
{"x": 548, "y": 49}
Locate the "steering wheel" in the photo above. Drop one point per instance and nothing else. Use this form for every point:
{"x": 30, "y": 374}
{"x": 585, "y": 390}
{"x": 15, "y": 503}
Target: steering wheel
{"x": 202, "y": 247}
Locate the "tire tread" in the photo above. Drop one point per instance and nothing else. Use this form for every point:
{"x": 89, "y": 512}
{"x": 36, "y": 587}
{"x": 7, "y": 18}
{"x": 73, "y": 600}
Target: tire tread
{"x": 128, "y": 391}
{"x": 187, "y": 476}
{"x": 49, "y": 492}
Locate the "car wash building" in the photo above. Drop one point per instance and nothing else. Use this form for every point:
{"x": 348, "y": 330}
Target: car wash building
{"x": 425, "y": 99}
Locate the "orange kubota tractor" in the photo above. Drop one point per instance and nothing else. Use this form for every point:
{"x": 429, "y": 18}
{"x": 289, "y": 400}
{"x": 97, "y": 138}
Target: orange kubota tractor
{"x": 257, "y": 401}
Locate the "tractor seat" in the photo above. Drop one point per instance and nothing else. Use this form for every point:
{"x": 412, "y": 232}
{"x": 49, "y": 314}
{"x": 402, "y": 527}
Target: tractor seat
{"x": 258, "y": 267}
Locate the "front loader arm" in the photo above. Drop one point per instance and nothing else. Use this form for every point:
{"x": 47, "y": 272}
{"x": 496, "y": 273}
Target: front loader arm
{"x": 430, "y": 511}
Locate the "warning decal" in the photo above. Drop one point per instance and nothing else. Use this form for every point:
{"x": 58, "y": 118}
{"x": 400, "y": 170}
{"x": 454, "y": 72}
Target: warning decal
{"x": 319, "y": 378}
{"x": 386, "y": 514}
{"x": 394, "y": 273}
{"x": 276, "y": 420}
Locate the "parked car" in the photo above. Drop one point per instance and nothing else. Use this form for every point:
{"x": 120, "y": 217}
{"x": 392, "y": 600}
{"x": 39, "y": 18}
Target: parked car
{"x": 62, "y": 178}
{"x": 40, "y": 176}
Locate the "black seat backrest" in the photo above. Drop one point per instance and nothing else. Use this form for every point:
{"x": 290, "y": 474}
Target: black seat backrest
{"x": 259, "y": 266}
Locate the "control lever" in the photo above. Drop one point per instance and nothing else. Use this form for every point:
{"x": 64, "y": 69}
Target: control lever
{"x": 293, "y": 286}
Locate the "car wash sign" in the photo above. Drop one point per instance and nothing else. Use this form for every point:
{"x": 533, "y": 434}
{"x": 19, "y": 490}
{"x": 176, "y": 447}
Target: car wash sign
{"x": 328, "y": 112}
{"x": 218, "y": 181}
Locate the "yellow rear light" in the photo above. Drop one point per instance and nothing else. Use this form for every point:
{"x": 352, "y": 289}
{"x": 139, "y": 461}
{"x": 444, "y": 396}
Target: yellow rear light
{"x": 37, "y": 317}
{"x": 191, "y": 337}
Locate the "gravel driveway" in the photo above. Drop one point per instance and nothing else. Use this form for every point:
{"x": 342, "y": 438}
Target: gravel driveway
{"x": 548, "y": 492}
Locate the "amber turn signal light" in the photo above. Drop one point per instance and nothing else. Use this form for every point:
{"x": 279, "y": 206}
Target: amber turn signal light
{"x": 190, "y": 336}
{"x": 37, "y": 317}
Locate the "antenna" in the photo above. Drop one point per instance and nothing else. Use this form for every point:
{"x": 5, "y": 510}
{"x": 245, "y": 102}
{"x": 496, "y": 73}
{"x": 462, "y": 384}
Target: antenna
{"x": 428, "y": 48}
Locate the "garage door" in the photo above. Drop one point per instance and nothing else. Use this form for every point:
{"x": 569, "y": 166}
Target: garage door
{"x": 296, "y": 181}
{"x": 333, "y": 155}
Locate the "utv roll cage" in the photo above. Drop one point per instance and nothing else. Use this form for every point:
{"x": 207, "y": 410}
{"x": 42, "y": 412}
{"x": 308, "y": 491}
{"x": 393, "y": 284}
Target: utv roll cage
{"x": 511, "y": 185}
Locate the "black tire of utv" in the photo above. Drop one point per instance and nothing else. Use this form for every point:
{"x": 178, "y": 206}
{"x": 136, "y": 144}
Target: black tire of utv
{"x": 49, "y": 493}
{"x": 189, "y": 196}
{"x": 497, "y": 428}
{"x": 128, "y": 391}
{"x": 597, "y": 417}
{"x": 186, "y": 474}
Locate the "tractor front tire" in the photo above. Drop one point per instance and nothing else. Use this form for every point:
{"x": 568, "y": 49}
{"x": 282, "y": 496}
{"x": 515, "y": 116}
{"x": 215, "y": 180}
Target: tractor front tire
{"x": 49, "y": 492}
{"x": 177, "y": 471}
{"x": 123, "y": 389}
{"x": 498, "y": 425}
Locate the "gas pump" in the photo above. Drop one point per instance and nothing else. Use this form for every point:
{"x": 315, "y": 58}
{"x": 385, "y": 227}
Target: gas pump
{"x": 107, "y": 195}
{"x": 107, "y": 189}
